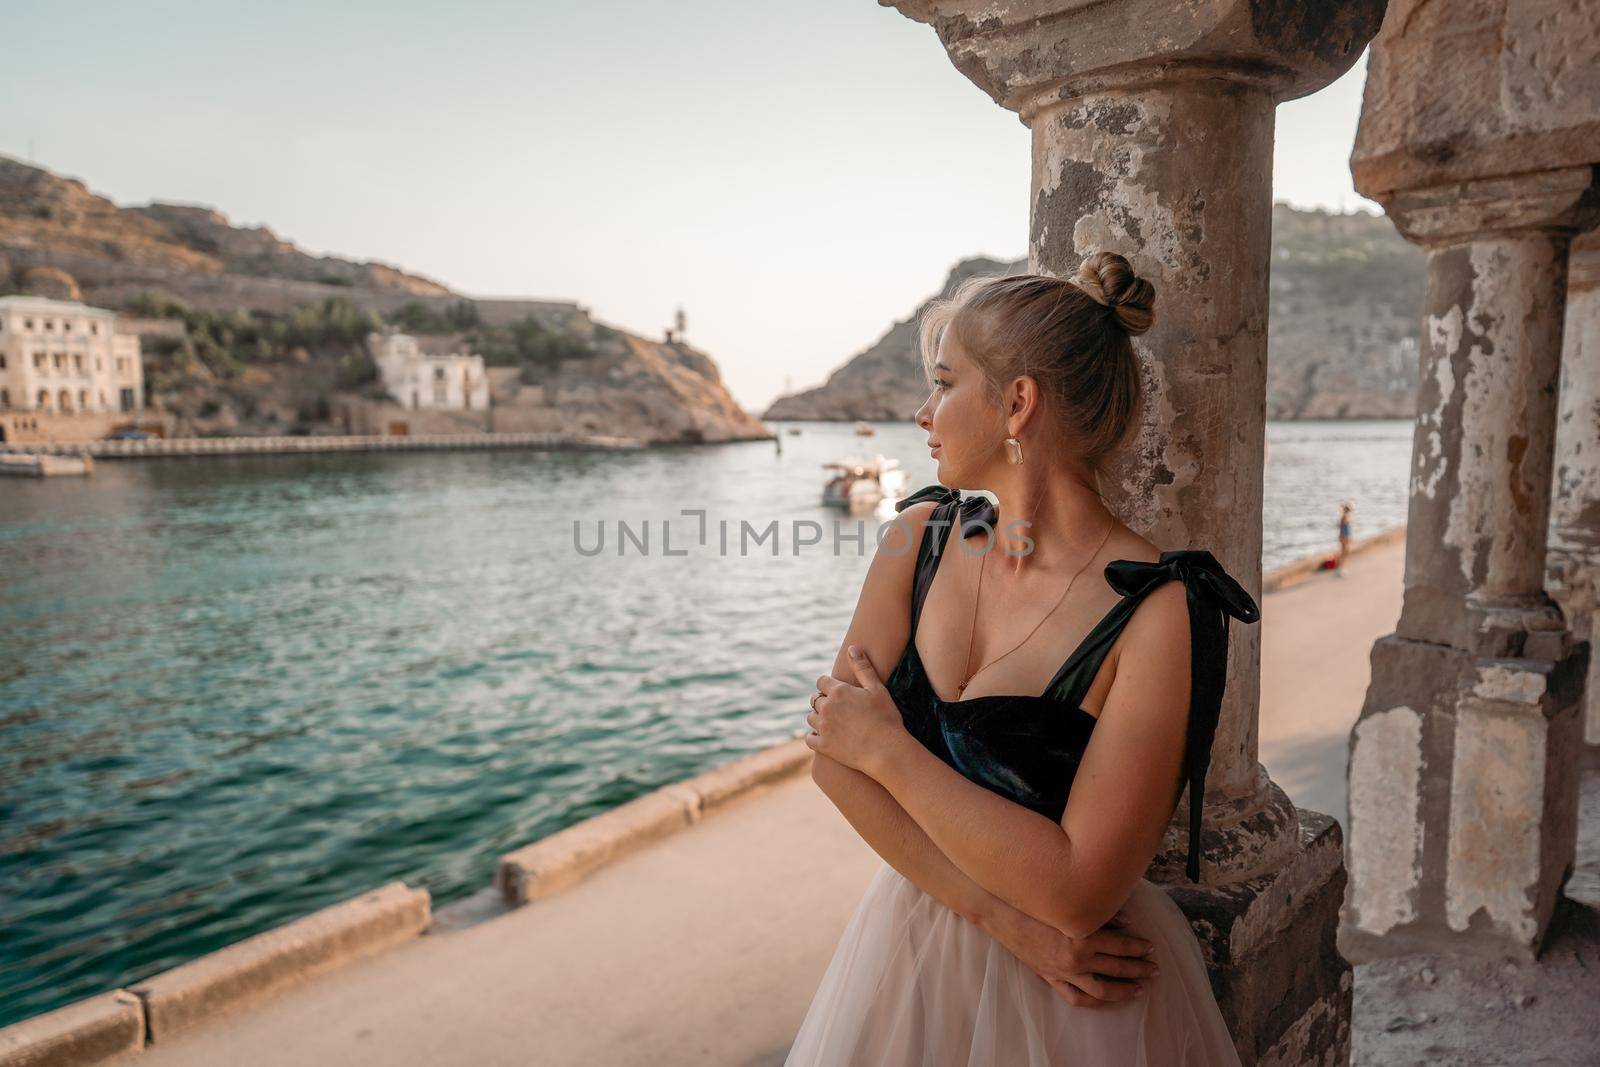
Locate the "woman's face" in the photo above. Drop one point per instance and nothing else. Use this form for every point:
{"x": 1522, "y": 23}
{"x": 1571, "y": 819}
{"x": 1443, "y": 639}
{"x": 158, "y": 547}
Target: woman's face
{"x": 962, "y": 425}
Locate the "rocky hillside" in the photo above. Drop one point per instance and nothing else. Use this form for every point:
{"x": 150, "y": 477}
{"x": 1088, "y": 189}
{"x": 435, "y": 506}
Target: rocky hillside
{"x": 885, "y": 381}
{"x": 1346, "y": 317}
{"x": 55, "y": 222}
{"x": 1346, "y": 302}
{"x": 244, "y": 332}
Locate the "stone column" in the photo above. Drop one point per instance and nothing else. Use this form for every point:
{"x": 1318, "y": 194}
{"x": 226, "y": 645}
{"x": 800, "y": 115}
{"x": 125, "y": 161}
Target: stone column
{"x": 1574, "y": 552}
{"x": 1152, "y": 137}
{"x": 1176, "y": 174}
{"x": 1463, "y": 766}
{"x": 1478, "y": 135}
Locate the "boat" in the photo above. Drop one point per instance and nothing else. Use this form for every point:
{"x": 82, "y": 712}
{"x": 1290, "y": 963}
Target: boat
{"x": 859, "y": 483}
{"x": 864, "y": 429}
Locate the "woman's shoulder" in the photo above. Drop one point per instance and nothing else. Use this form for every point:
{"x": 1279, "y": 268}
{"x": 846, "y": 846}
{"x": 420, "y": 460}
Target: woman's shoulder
{"x": 912, "y": 515}
{"x": 1161, "y": 617}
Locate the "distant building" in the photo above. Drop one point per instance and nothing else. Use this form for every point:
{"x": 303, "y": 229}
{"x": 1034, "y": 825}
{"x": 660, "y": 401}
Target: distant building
{"x": 60, "y": 357}
{"x": 420, "y": 380}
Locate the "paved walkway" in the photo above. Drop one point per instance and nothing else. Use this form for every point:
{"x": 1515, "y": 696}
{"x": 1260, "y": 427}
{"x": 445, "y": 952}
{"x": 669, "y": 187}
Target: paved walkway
{"x": 1316, "y": 640}
{"x": 706, "y": 948}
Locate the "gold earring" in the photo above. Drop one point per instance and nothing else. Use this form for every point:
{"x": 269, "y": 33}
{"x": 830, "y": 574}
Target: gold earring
{"x": 1013, "y": 450}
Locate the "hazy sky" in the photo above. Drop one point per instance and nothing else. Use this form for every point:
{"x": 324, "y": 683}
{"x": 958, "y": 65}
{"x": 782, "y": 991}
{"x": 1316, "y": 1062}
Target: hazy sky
{"x": 797, "y": 176}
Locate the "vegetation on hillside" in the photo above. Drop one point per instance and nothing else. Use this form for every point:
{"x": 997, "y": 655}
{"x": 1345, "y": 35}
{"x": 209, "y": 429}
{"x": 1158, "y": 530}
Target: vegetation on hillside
{"x": 528, "y": 344}
{"x": 417, "y": 317}
{"x": 222, "y": 344}
{"x": 1321, "y": 258}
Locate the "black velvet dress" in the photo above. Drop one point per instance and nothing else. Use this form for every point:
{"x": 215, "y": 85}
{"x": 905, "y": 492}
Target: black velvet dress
{"x": 911, "y": 982}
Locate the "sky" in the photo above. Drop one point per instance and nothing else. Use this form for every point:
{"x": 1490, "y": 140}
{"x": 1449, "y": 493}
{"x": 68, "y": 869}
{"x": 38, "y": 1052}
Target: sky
{"x": 796, "y": 177}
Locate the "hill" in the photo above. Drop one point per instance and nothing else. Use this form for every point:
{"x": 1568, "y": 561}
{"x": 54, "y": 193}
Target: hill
{"x": 1345, "y": 313}
{"x": 245, "y": 332}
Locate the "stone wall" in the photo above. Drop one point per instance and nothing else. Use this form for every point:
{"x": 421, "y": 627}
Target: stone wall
{"x": 38, "y": 427}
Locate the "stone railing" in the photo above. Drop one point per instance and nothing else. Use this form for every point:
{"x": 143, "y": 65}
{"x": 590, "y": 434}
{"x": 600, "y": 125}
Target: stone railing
{"x": 121, "y": 1022}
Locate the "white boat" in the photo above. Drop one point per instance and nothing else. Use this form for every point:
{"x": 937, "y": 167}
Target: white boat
{"x": 859, "y": 483}
{"x": 864, "y": 429}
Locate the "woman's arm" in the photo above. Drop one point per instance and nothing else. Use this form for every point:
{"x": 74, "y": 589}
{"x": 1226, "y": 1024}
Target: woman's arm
{"x": 884, "y": 825}
{"x": 1106, "y": 967}
{"x": 1075, "y": 874}
{"x": 881, "y": 626}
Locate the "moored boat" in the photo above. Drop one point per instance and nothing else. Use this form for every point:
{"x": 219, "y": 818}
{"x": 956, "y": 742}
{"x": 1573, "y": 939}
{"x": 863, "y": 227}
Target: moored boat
{"x": 860, "y": 483}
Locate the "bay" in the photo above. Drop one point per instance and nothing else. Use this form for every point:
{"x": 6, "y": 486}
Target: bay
{"x": 236, "y": 690}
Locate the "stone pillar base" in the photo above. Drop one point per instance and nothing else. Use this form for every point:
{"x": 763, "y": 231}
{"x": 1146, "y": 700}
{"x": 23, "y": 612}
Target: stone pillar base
{"x": 1270, "y": 946}
{"x": 1463, "y": 786}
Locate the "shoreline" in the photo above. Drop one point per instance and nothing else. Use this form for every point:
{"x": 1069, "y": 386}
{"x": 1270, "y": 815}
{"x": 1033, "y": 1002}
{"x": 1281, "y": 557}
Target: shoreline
{"x": 161, "y": 447}
{"x": 1296, "y": 571}
{"x": 312, "y": 444}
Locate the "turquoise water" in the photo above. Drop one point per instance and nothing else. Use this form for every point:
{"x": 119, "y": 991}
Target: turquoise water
{"x": 233, "y": 691}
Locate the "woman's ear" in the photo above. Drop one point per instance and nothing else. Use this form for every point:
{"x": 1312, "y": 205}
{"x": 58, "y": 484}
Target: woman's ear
{"x": 1022, "y": 398}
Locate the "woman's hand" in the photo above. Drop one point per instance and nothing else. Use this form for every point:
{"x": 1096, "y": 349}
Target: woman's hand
{"x": 856, "y": 725}
{"x": 1082, "y": 972}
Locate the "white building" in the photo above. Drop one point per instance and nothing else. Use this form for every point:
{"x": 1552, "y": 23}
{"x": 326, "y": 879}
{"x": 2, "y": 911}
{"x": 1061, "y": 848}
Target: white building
{"x": 60, "y": 357}
{"x": 418, "y": 379}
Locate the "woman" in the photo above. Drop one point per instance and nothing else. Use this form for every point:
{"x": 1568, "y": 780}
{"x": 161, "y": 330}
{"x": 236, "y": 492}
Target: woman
{"x": 1010, "y": 922}
{"x": 1345, "y": 508}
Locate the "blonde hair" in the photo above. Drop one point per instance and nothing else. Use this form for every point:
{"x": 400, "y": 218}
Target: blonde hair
{"x": 1072, "y": 336}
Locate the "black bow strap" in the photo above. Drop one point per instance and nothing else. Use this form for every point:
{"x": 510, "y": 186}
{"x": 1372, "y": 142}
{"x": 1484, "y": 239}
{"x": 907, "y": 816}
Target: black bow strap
{"x": 977, "y": 512}
{"x": 1212, "y": 595}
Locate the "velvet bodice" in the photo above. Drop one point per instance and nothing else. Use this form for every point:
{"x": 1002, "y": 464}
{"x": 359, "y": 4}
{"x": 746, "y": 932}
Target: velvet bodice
{"x": 1027, "y": 747}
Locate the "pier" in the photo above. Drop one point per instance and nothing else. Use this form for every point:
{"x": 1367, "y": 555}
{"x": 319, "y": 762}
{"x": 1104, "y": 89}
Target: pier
{"x": 25, "y": 465}
{"x": 154, "y": 447}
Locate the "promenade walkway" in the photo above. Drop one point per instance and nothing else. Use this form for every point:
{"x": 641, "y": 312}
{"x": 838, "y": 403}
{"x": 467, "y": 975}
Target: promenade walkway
{"x": 706, "y": 947}
{"x": 1316, "y": 636}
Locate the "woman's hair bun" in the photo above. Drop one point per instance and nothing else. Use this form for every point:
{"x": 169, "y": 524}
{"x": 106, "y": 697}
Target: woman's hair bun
{"x": 1108, "y": 279}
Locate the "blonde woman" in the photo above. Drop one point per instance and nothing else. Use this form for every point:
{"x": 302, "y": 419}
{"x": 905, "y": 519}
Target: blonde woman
{"x": 1018, "y": 791}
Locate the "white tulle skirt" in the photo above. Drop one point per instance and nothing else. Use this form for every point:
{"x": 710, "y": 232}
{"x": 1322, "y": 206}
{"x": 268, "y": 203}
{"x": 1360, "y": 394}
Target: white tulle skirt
{"x": 912, "y": 984}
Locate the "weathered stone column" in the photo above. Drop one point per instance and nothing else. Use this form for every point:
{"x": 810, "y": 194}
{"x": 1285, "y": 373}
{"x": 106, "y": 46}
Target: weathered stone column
{"x": 1152, "y": 136}
{"x": 1573, "y": 569}
{"x": 1477, "y": 134}
{"x": 1173, "y": 168}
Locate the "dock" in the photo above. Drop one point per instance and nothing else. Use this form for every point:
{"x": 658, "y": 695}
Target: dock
{"x": 36, "y": 465}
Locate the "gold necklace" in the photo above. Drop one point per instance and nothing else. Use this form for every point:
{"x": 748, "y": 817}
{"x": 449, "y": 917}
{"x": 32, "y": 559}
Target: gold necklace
{"x": 962, "y": 688}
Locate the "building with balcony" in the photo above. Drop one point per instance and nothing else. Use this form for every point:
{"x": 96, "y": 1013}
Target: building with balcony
{"x": 63, "y": 357}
